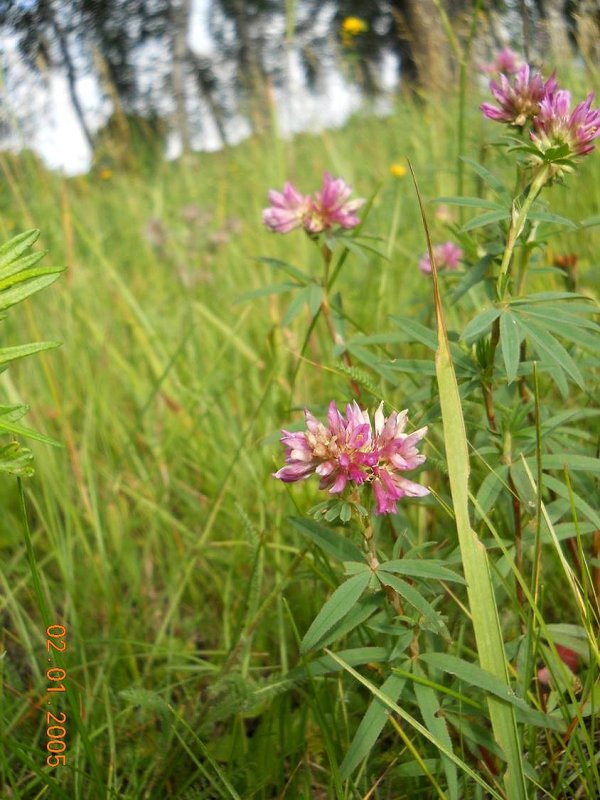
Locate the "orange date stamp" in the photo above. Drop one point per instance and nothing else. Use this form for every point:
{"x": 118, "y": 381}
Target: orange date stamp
{"x": 55, "y": 725}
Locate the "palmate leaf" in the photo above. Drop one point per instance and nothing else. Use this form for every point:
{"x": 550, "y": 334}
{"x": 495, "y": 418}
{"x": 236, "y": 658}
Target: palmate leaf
{"x": 20, "y": 277}
{"x": 551, "y": 349}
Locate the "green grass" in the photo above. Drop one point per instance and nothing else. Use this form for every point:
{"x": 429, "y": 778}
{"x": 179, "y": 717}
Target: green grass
{"x": 161, "y": 539}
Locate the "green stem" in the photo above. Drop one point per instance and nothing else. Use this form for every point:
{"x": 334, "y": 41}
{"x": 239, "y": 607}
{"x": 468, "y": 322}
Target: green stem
{"x": 516, "y": 227}
{"x": 326, "y": 310}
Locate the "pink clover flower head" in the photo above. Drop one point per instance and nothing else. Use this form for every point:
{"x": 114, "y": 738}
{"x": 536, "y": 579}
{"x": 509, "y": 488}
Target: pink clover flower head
{"x": 397, "y": 453}
{"x": 287, "y": 211}
{"x": 331, "y": 206}
{"x": 349, "y": 450}
{"x": 507, "y": 62}
{"x": 556, "y": 125}
{"x": 328, "y": 207}
{"x": 519, "y": 98}
{"x": 447, "y": 256}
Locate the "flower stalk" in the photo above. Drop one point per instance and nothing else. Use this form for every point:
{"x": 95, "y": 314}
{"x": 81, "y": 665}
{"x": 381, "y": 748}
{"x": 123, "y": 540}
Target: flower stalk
{"x": 519, "y": 217}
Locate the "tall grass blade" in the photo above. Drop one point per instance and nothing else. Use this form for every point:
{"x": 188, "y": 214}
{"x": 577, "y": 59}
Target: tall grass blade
{"x": 486, "y": 623}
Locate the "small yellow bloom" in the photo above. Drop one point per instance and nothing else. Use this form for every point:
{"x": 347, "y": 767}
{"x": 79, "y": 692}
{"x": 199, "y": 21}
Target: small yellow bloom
{"x": 397, "y": 170}
{"x": 353, "y": 26}
{"x": 105, "y": 174}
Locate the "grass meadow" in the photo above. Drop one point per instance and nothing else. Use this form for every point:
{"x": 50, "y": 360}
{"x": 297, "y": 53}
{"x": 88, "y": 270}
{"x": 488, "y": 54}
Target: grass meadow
{"x": 162, "y": 542}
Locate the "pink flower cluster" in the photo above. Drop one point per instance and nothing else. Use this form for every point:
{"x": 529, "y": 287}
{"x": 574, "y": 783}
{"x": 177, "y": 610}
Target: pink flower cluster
{"x": 519, "y": 98}
{"x": 350, "y": 450}
{"x": 328, "y": 207}
{"x": 506, "y": 61}
{"x": 527, "y": 97}
{"x": 447, "y": 256}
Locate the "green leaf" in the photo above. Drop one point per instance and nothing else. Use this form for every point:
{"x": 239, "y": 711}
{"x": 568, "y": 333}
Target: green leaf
{"x": 570, "y": 312}
{"x": 417, "y": 332}
{"x": 335, "y": 609}
{"x": 13, "y": 413}
{"x": 510, "y": 342}
{"x": 472, "y": 277}
{"x": 472, "y": 674}
{"x": 548, "y": 346}
{"x": 22, "y": 263}
{"x": 472, "y": 202}
{"x": 479, "y": 325}
{"x": 295, "y": 307}
{"x": 364, "y": 608}
{"x": 412, "y": 366}
{"x": 21, "y": 430}
{"x": 580, "y": 504}
{"x": 490, "y": 488}
{"x": 10, "y": 251}
{"x": 264, "y": 291}
{"x": 371, "y": 725}
{"x": 332, "y": 543}
{"x": 431, "y": 712}
{"x": 315, "y": 298}
{"x": 289, "y": 269}
{"x": 31, "y": 281}
{"x": 412, "y": 596}
{"x": 590, "y": 222}
{"x": 545, "y": 297}
{"x": 546, "y": 216}
{"x": 20, "y": 351}
{"x": 573, "y": 461}
{"x": 325, "y": 665}
{"x": 419, "y": 568}
{"x": 485, "y": 219}
{"x": 406, "y": 717}
{"x": 492, "y": 180}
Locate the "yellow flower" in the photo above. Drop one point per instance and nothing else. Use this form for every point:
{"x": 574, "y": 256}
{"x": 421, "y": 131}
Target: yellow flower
{"x": 397, "y": 170}
{"x": 105, "y": 174}
{"x": 353, "y": 26}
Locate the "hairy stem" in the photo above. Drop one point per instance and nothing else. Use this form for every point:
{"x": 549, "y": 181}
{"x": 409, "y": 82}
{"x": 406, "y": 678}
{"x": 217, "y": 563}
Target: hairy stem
{"x": 519, "y": 217}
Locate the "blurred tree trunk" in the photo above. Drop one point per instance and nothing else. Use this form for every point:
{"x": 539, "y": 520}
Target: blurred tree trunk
{"x": 207, "y": 86}
{"x": 179, "y": 17}
{"x": 426, "y": 51}
{"x": 554, "y": 38}
{"x": 252, "y": 76}
{"x": 587, "y": 17}
{"x": 63, "y": 46}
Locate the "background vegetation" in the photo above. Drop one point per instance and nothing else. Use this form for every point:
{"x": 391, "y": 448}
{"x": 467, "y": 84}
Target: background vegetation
{"x": 163, "y": 542}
